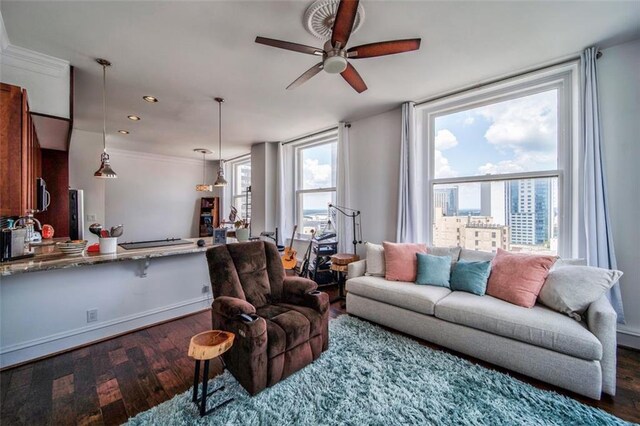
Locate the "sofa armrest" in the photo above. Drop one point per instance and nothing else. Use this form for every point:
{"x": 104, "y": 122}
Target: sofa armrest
{"x": 602, "y": 322}
{"x": 357, "y": 268}
{"x": 231, "y": 306}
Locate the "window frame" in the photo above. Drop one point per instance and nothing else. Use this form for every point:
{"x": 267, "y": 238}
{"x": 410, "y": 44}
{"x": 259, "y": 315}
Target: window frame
{"x": 563, "y": 78}
{"x": 324, "y": 139}
{"x": 235, "y": 164}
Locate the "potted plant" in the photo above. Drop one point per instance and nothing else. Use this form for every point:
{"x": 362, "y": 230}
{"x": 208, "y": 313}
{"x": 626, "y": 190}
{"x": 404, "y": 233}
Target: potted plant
{"x": 242, "y": 229}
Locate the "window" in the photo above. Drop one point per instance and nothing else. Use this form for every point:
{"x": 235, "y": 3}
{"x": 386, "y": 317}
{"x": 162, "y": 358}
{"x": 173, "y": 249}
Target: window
{"x": 241, "y": 187}
{"x": 315, "y": 188}
{"x": 500, "y": 159}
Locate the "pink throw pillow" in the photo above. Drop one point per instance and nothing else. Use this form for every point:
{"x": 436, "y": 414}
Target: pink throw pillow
{"x": 401, "y": 262}
{"x": 518, "y": 278}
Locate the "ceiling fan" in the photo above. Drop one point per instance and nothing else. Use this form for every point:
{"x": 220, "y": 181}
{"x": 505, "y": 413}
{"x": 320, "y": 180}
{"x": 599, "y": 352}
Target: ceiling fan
{"x": 335, "y": 55}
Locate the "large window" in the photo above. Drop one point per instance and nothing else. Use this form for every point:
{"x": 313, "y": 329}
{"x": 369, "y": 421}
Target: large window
{"x": 499, "y": 166}
{"x": 315, "y": 186}
{"x": 241, "y": 187}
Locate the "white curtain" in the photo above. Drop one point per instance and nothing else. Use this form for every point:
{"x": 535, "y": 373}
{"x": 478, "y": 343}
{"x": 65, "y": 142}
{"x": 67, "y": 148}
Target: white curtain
{"x": 344, "y": 225}
{"x": 597, "y": 225}
{"x": 285, "y": 201}
{"x": 409, "y": 196}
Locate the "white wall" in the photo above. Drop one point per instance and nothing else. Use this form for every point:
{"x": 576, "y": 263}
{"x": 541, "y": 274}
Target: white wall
{"x": 154, "y": 196}
{"x": 619, "y": 84}
{"x": 84, "y": 160}
{"x": 263, "y": 187}
{"x": 46, "y": 312}
{"x": 375, "y": 163}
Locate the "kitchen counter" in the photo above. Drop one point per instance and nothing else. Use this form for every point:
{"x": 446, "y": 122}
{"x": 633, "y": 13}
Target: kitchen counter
{"x": 54, "y": 259}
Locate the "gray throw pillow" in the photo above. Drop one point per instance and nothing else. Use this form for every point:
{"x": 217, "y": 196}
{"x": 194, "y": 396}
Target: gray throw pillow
{"x": 375, "y": 260}
{"x": 571, "y": 289}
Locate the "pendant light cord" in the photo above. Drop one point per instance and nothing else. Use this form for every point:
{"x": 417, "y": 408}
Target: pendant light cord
{"x": 104, "y": 108}
{"x": 219, "y": 135}
{"x": 203, "y": 167}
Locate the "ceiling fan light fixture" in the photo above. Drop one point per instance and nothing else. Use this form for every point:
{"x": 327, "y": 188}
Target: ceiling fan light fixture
{"x": 335, "y": 64}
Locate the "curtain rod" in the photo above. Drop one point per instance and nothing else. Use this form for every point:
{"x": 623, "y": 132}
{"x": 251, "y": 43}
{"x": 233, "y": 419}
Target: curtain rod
{"x": 236, "y": 157}
{"x": 311, "y": 135}
{"x": 498, "y": 80}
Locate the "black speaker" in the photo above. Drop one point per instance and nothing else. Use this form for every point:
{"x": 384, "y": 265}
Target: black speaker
{"x": 76, "y": 214}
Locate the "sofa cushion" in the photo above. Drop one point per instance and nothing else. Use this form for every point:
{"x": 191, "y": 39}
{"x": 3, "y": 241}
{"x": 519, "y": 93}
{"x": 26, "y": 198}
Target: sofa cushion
{"x": 286, "y": 328}
{"x": 518, "y": 278}
{"x": 375, "y": 259}
{"x": 433, "y": 270}
{"x": 400, "y": 260}
{"x": 476, "y": 255}
{"x": 417, "y": 298}
{"x": 537, "y": 326}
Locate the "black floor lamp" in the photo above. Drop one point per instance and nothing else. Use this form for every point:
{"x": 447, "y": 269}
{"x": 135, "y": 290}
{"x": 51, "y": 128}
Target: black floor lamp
{"x": 354, "y": 215}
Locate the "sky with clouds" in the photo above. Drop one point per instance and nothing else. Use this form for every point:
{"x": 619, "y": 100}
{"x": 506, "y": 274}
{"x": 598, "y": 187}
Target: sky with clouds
{"x": 512, "y": 136}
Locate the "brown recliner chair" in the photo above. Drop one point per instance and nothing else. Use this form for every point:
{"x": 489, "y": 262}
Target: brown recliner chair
{"x": 281, "y": 323}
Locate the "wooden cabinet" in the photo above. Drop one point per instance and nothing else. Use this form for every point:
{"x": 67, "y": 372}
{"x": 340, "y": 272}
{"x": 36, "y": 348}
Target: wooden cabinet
{"x": 20, "y": 154}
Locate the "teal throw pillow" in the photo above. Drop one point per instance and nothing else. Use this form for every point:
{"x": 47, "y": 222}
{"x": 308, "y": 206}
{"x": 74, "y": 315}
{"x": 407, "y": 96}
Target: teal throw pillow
{"x": 433, "y": 270}
{"x": 471, "y": 277}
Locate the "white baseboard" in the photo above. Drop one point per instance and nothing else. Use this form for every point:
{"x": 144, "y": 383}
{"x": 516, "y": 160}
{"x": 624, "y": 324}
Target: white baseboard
{"x": 25, "y": 351}
{"x": 628, "y": 337}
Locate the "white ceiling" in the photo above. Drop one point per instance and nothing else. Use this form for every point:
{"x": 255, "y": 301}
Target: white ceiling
{"x": 185, "y": 53}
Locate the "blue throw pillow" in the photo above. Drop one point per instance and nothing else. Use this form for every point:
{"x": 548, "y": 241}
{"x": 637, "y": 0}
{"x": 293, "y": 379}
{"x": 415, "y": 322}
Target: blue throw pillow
{"x": 470, "y": 277}
{"x": 433, "y": 270}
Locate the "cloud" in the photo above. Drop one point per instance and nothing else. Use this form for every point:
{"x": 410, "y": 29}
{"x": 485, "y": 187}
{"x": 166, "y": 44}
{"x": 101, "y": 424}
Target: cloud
{"x": 316, "y": 175}
{"x": 442, "y": 167}
{"x": 468, "y": 121}
{"x": 522, "y": 163}
{"x": 445, "y": 140}
{"x": 524, "y": 124}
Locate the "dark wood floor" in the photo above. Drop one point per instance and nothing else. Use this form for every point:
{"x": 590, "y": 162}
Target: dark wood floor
{"x": 110, "y": 381}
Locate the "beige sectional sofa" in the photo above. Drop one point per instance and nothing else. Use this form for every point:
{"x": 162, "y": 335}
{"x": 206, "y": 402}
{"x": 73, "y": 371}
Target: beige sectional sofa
{"x": 538, "y": 342}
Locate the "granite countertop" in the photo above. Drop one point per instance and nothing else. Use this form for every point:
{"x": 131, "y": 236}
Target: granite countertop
{"x": 52, "y": 258}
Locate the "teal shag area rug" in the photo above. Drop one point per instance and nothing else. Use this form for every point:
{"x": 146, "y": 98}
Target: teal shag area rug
{"x": 370, "y": 376}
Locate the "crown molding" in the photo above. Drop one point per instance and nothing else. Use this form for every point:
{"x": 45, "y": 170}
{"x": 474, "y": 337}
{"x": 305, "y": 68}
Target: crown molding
{"x": 29, "y": 60}
{"x": 4, "y": 37}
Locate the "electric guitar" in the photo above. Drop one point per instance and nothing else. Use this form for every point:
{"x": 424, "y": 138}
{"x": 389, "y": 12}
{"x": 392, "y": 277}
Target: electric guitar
{"x": 289, "y": 260}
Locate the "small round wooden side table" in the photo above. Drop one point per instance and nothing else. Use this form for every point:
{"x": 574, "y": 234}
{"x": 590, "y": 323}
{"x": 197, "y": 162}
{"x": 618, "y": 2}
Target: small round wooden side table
{"x": 340, "y": 264}
{"x": 206, "y": 346}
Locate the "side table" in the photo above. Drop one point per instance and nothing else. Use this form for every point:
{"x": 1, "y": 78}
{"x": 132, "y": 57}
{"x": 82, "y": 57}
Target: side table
{"x": 206, "y": 346}
{"x": 340, "y": 264}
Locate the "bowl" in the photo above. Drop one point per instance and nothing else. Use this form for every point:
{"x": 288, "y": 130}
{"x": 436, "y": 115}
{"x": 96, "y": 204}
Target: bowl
{"x": 72, "y": 247}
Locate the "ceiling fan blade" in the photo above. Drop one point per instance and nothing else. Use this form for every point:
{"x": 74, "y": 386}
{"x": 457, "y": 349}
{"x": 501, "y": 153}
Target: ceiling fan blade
{"x": 342, "y": 26}
{"x": 306, "y": 76}
{"x": 287, "y": 45}
{"x": 353, "y": 78}
{"x": 383, "y": 48}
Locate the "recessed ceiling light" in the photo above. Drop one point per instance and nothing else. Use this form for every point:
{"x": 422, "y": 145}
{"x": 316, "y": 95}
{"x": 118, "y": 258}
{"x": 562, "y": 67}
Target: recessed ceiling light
{"x": 150, "y": 99}
{"x": 124, "y": 132}
{"x": 133, "y": 117}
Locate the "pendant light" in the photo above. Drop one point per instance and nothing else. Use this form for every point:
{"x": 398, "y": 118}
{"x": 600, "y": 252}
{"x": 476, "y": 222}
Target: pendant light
{"x": 203, "y": 187}
{"x": 105, "y": 171}
{"x": 220, "y": 181}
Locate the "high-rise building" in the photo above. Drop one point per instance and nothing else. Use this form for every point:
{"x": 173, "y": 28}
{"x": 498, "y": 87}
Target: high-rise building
{"x": 530, "y": 215}
{"x": 447, "y": 200}
{"x": 493, "y": 201}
